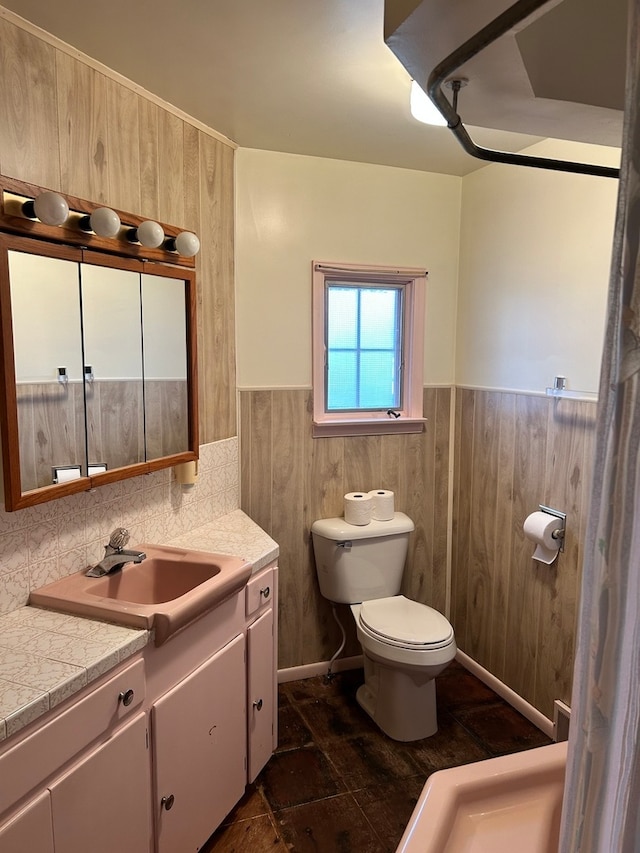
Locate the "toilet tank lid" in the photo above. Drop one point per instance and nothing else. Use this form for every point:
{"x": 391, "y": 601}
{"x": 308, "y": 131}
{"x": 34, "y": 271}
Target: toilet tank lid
{"x": 338, "y": 530}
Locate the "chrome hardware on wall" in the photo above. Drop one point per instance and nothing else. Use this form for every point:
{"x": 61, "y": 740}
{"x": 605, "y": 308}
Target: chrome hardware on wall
{"x": 560, "y": 532}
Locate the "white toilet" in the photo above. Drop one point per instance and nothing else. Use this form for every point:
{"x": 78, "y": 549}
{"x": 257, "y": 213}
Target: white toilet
{"x": 405, "y": 644}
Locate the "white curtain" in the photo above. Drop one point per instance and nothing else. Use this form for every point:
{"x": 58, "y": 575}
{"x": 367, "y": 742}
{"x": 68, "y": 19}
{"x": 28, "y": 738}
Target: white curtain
{"x": 601, "y": 811}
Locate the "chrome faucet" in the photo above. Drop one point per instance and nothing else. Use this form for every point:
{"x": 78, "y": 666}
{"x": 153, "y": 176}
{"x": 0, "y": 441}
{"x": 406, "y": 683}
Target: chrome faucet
{"x": 115, "y": 555}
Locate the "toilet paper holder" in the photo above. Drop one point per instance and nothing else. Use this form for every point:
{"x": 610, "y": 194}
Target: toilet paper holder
{"x": 560, "y": 532}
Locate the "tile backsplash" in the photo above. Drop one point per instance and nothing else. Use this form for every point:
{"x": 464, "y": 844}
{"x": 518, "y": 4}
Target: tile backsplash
{"x": 46, "y": 542}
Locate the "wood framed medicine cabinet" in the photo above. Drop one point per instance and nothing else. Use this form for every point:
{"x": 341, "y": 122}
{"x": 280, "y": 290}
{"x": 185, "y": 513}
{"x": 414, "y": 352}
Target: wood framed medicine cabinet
{"x": 98, "y": 363}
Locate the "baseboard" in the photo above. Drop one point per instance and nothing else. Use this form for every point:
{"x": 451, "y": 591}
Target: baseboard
{"x": 309, "y": 670}
{"x": 521, "y": 705}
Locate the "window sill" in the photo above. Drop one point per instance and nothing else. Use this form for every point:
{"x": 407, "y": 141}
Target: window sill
{"x": 378, "y": 426}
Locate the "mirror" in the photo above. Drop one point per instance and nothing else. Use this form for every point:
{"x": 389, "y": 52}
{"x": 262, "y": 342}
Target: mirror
{"x": 98, "y": 368}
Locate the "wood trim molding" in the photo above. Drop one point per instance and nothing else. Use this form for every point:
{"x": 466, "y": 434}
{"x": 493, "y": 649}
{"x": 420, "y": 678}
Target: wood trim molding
{"x": 514, "y": 699}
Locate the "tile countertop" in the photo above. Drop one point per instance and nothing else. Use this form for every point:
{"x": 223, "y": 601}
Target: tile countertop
{"x": 46, "y": 656}
{"x": 234, "y": 533}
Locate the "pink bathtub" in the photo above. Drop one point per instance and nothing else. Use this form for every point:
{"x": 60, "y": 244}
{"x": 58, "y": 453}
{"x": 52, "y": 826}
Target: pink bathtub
{"x": 495, "y": 806}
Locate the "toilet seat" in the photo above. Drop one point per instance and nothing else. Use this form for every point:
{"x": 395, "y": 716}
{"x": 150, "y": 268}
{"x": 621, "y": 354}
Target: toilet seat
{"x": 401, "y": 622}
{"x": 426, "y": 638}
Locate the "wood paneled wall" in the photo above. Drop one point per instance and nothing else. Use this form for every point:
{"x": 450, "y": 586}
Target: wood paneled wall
{"x": 514, "y": 616}
{"x": 289, "y": 479}
{"x": 512, "y": 452}
{"x": 70, "y": 128}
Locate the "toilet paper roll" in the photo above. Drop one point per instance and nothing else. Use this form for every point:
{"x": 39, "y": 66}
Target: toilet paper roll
{"x": 357, "y": 508}
{"x": 383, "y": 504}
{"x": 539, "y": 527}
{"x": 66, "y": 473}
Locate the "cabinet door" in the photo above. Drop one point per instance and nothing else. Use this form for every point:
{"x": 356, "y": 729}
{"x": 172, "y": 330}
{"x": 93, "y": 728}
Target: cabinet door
{"x": 30, "y": 829}
{"x": 102, "y": 804}
{"x": 260, "y": 680}
{"x": 199, "y": 741}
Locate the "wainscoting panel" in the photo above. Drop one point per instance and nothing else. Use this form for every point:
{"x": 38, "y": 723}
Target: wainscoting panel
{"x": 513, "y": 615}
{"x": 289, "y": 479}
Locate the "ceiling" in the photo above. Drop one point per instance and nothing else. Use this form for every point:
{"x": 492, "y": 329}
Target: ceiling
{"x": 316, "y": 77}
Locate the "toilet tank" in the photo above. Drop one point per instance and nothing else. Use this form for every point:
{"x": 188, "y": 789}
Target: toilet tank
{"x": 357, "y": 563}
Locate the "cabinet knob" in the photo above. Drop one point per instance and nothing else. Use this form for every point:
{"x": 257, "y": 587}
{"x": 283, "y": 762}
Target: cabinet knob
{"x": 126, "y": 697}
{"x": 167, "y": 802}
{"x": 258, "y": 704}
{"x": 266, "y": 592}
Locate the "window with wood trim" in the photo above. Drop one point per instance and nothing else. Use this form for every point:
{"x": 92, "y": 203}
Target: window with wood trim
{"x": 368, "y": 343}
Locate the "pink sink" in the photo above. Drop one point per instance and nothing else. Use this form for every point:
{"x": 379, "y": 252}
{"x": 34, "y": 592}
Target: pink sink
{"x": 165, "y": 592}
{"x": 505, "y": 804}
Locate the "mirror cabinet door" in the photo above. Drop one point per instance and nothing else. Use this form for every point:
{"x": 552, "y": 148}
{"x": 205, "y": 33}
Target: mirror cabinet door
{"x": 164, "y": 332}
{"x": 47, "y": 352}
{"x": 98, "y": 368}
{"x": 113, "y": 365}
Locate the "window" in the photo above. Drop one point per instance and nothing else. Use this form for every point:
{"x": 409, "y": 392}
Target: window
{"x": 368, "y": 327}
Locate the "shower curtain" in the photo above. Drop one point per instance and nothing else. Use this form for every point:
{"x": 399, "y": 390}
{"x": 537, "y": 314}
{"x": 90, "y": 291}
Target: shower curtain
{"x": 601, "y": 808}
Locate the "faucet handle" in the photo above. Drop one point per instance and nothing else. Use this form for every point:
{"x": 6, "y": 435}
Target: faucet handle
{"x": 119, "y": 538}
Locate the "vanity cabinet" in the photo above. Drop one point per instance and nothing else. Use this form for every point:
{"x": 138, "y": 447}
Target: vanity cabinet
{"x": 199, "y": 740}
{"x": 103, "y": 803}
{"x": 155, "y": 755}
{"x": 30, "y": 829}
{"x": 260, "y": 694}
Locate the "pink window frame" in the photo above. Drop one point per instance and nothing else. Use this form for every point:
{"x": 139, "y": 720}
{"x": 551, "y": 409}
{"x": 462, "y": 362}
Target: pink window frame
{"x": 371, "y": 423}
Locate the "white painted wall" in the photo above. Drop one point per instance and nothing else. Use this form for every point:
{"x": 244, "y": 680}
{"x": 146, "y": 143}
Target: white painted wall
{"x": 532, "y": 249}
{"x": 293, "y": 209}
{"x": 535, "y": 250}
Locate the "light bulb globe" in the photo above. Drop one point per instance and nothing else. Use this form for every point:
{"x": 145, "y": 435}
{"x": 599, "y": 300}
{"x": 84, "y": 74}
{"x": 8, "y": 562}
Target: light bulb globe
{"x": 105, "y": 222}
{"x": 187, "y": 244}
{"x": 51, "y": 208}
{"x": 150, "y": 234}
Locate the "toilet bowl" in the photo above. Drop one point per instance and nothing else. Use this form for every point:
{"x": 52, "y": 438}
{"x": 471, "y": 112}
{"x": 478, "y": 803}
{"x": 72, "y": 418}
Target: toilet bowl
{"x": 405, "y": 644}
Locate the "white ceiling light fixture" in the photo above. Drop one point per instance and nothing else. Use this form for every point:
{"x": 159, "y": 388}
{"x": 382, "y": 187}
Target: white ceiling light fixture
{"x": 423, "y": 109}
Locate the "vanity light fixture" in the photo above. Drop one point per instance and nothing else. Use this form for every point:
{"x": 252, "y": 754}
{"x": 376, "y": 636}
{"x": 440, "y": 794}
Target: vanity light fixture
{"x": 148, "y": 234}
{"x": 103, "y": 221}
{"x": 32, "y": 211}
{"x": 49, "y": 207}
{"x": 186, "y": 244}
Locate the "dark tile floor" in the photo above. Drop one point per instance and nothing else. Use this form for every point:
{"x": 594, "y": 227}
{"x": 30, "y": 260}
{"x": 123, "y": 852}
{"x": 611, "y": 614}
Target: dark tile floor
{"x": 338, "y": 785}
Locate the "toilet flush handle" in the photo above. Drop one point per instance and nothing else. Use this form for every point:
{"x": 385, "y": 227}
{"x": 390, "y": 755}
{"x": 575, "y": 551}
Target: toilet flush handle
{"x": 346, "y": 545}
